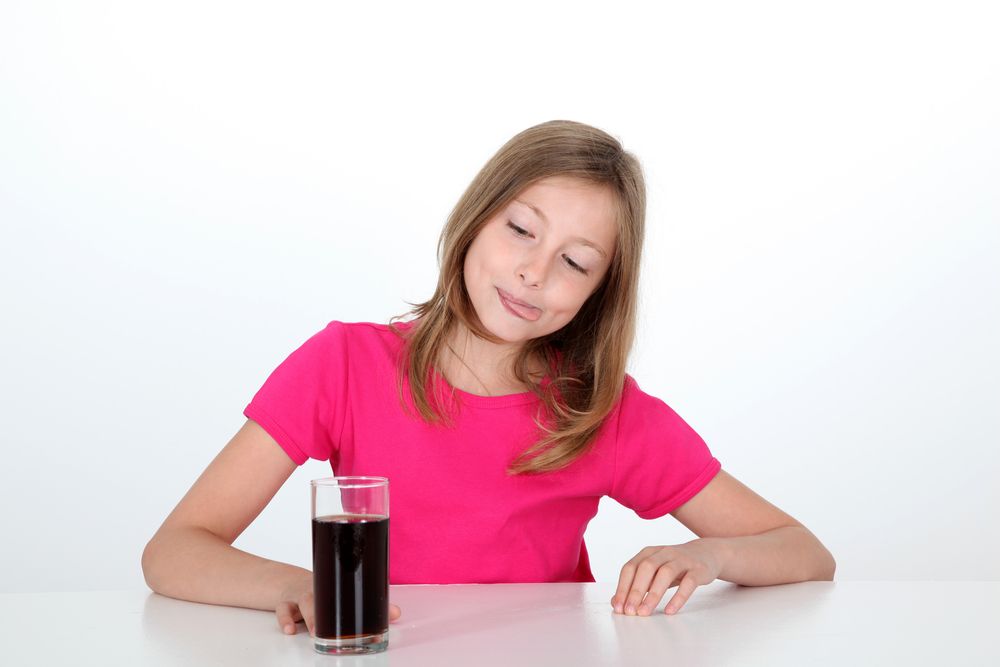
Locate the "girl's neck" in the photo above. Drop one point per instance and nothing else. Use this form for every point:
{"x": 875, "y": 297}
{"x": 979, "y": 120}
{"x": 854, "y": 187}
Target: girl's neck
{"x": 478, "y": 366}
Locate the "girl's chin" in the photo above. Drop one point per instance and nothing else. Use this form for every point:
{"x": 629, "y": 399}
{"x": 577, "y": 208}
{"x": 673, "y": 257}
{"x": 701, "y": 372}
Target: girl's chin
{"x": 507, "y": 335}
{"x": 503, "y": 328}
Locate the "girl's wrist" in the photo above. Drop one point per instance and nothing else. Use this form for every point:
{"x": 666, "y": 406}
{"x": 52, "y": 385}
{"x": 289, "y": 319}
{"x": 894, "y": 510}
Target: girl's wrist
{"x": 720, "y": 548}
{"x": 288, "y": 582}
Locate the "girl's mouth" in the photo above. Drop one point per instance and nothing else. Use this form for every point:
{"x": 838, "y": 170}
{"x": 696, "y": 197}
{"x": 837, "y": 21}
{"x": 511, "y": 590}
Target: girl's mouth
{"x": 524, "y": 312}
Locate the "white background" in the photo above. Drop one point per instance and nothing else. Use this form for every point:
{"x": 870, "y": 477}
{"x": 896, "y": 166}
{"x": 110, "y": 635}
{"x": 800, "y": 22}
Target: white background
{"x": 188, "y": 191}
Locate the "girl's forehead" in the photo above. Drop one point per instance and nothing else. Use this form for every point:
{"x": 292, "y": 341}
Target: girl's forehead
{"x": 561, "y": 182}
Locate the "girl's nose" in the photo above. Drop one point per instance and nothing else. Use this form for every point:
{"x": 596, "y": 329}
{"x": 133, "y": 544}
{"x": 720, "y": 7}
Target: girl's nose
{"x": 532, "y": 271}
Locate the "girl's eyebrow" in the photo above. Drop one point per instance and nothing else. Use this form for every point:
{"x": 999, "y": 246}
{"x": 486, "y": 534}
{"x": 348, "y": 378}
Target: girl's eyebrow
{"x": 579, "y": 239}
{"x": 534, "y": 208}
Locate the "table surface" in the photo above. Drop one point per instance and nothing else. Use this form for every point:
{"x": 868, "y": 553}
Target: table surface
{"x": 815, "y": 623}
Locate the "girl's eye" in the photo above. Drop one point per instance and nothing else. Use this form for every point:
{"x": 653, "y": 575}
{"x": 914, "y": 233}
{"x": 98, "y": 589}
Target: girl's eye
{"x": 525, "y": 233}
{"x": 517, "y": 230}
{"x": 576, "y": 267}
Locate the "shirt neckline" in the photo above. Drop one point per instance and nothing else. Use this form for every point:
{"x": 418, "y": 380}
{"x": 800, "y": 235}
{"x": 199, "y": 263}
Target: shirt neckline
{"x": 476, "y": 400}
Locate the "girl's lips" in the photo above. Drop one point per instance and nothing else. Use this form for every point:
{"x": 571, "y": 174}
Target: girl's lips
{"x": 524, "y": 312}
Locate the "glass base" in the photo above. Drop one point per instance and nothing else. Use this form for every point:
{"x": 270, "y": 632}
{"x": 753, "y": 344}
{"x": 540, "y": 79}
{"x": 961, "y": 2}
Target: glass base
{"x": 352, "y": 645}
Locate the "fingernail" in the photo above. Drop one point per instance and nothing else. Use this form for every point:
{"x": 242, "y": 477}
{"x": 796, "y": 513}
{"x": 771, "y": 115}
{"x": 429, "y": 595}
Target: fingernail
{"x": 670, "y": 610}
{"x": 630, "y": 609}
{"x": 618, "y": 608}
{"x": 643, "y": 609}
{"x": 289, "y": 629}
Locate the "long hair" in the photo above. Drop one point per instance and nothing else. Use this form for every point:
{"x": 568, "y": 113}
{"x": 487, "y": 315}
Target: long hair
{"x": 589, "y": 354}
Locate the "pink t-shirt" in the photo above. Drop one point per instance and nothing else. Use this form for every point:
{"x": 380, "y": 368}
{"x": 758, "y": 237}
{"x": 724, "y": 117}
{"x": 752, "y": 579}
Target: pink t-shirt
{"x": 455, "y": 515}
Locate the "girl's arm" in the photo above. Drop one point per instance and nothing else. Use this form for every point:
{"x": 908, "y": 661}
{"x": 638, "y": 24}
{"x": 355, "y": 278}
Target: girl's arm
{"x": 742, "y": 538}
{"x": 191, "y": 556}
{"x": 760, "y": 544}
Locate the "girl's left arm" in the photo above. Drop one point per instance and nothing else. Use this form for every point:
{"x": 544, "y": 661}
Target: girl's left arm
{"x": 742, "y": 538}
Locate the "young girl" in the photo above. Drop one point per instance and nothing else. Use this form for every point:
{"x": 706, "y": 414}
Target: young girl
{"x": 500, "y": 413}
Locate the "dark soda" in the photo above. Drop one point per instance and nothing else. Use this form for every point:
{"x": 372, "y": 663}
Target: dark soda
{"x": 350, "y": 575}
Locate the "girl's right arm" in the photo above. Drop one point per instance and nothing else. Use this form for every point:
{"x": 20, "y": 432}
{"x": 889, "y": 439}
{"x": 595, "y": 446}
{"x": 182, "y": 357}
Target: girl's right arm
{"x": 191, "y": 556}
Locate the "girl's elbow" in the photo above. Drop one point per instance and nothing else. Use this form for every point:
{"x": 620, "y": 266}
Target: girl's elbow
{"x": 828, "y": 572}
{"x": 148, "y": 562}
{"x": 829, "y": 567}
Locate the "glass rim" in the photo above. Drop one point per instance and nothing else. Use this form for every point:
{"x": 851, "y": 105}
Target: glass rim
{"x": 350, "y": 482}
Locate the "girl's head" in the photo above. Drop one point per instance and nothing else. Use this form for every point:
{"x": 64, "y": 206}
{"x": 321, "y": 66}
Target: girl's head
{"x": 548, "y": 248}
{"x": 555, "y": 219}
{"x": 587, "y": 188}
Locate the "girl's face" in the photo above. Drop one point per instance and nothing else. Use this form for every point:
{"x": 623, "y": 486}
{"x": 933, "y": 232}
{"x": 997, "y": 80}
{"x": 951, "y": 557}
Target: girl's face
{"x": 549, "y": 248}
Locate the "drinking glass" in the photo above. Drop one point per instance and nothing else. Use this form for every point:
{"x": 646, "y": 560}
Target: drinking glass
{"x": 350, "y": 538}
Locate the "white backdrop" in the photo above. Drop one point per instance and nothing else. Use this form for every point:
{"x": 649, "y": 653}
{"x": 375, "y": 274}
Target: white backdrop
{"x": 188, "y": 191}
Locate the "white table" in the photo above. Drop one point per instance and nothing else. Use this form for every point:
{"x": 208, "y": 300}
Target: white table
{"x": 813, "y": 623}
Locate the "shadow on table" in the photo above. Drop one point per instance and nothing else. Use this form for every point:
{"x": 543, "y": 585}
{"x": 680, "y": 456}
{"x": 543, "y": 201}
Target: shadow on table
{"x": 527, "y": 618}
{"x": 724, "y": 623}
{"x": 191, "y": 633}
{"x": 522, "y": 624}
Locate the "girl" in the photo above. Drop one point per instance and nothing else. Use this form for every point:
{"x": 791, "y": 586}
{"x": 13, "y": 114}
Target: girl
{"x": 501, "y": 413}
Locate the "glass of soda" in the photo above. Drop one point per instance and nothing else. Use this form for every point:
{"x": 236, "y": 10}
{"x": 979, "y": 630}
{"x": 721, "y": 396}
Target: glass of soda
{"x": 350, "y": 538}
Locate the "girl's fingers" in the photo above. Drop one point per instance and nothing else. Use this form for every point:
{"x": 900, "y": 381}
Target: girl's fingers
{"x": 289, "y": 613}
{"x": 645, "y": 570}
{"x": 306, "y": 608}
{"x": 625, "y": 580}
{"x": 665, "y": 578}
{"x": 684, "y": 591}
{"x": 643, "y": 581}
{"x": 286, "y": 617}
{"x": 624, "y": 585}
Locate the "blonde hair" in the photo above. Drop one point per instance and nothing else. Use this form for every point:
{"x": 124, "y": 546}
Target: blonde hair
{"x": 589, "y": 354}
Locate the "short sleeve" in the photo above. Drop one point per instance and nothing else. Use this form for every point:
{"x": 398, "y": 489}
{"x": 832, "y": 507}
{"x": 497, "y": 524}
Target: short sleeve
{"x": 303, "y": 403}
{"x": 660, "y": 461}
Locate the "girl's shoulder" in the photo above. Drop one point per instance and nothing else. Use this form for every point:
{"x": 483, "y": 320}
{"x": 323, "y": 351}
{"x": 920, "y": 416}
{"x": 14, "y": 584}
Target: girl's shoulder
{"x": 367, "y": 339}
{"x": 636, "y": 406}
{"x": 392, "y": 335}
{"x": 395, "y": 328}
{"x": 647, "y": 414}
{"x": 367, "y": 328}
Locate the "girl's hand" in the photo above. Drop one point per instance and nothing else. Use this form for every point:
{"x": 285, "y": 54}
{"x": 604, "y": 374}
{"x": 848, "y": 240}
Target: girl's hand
{"x": 655, "y": 569}
{"x": 297, "y": 605}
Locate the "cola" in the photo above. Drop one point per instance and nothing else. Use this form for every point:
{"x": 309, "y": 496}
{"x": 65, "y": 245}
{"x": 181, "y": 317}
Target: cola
{"x": 350, "y": 575}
